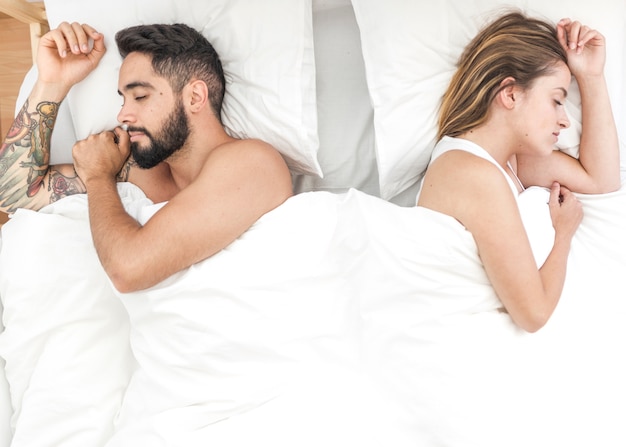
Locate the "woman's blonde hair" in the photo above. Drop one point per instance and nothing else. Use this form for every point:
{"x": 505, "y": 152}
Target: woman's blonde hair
{"x": 514, "y": 45}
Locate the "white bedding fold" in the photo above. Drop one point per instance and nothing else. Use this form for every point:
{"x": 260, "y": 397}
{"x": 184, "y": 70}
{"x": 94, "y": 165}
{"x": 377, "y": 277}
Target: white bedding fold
{"x": 340, "y": 315}
{"x": 472, "y": 378}
{"x": 65, "y": 342}
{"x": 237, "y": 331}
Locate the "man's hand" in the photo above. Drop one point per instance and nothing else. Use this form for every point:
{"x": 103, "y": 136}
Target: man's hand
{"x": 65, "y": 56}
{"x": 101, "y": 156}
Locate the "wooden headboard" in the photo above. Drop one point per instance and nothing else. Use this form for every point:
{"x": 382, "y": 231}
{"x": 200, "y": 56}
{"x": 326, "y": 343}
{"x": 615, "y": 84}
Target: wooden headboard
{"x": 31, "y": 12}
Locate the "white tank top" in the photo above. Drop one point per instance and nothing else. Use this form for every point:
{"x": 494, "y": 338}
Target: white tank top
{"x": 532, "y": 202}
{"x": 450, "y": 143}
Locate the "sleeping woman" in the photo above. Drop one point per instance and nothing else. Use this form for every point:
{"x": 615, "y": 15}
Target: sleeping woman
{"x": 499, "y": 121}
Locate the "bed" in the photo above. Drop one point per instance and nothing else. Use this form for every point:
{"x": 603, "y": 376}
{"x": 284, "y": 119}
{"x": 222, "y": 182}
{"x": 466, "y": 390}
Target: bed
{"x": 336, "y": 319}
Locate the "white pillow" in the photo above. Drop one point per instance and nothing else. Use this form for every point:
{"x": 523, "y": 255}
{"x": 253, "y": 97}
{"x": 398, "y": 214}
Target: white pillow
{"x": 347, "y": 152}
{"x": 410, "y": 53}
{"x": 266, "y": 49}
{"x": 65, "y": 342}
{"x": 406, "y": 48}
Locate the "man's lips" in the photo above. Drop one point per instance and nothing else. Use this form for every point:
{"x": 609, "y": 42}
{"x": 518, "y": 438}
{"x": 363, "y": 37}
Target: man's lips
{"x": 135, "y": 135}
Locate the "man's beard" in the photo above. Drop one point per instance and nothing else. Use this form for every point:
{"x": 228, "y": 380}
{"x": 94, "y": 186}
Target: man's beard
{"x": 165, "y": 142}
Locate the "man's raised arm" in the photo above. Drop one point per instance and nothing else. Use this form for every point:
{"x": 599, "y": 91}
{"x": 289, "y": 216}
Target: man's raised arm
{"x": 26, "y": 178}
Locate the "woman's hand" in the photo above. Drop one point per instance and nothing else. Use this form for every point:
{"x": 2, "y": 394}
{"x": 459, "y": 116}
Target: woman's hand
{"x": 585, "y": 47}
{"x": 565, "y": 210}
{"x": 65, "y": 56}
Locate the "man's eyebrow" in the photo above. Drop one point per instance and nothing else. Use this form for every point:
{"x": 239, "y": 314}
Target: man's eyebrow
{"x": 134, "y": 85}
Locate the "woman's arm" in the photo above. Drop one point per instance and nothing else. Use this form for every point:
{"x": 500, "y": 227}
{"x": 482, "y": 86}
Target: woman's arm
{"x": 529, "y": 295}
{"x": 599, "y": 146}
{"x": 479, "y": 197}
{"x": 597, "y": 168}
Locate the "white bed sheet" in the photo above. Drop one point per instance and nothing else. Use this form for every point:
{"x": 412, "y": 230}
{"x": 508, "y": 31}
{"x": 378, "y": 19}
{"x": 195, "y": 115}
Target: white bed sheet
{"x": 445, "y": 378}
{"x": 68, "y": 360}
{"x": 464, "y": 373}
{"x": 5, "y": 399}
{"x": 370, "y": 337}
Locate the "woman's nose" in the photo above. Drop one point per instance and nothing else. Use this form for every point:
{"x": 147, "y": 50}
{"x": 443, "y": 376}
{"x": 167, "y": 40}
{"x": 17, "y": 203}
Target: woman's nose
{"x": 564, "y": 120}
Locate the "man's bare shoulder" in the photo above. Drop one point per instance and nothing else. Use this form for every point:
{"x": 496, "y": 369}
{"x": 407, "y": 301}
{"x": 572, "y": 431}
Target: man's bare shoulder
{"x": 250, "y": 147}
{"x": 249, "y": 155}
{"x": 249, "y": 166}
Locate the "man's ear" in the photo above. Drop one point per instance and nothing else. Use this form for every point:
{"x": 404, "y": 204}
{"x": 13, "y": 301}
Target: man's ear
{"x": 198, "y": 95}
{"x": 508, "y": 93}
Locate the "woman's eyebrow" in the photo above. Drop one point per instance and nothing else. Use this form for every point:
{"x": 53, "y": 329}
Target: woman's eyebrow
{"x": 563, "y": 90}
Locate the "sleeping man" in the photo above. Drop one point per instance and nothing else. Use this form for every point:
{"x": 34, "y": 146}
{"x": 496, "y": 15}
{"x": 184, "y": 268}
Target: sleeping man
{"x": 172, "y": 145}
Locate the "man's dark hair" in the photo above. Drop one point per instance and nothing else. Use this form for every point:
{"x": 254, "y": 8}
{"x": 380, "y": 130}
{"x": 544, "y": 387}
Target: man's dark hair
{"x": 179, "y": 54}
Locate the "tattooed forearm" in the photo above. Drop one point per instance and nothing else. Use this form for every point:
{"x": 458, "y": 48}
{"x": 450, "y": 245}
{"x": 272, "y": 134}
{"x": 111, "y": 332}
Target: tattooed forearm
{"x": 25, "y": 155}
{"x": 63, "y": 185}
{"x": 124, "y": 173}
{"x": 39, "y": 151}
{"x": 40, "y": 147}
{"x": 62, "y": 181}
{"x": 18, "y": 134}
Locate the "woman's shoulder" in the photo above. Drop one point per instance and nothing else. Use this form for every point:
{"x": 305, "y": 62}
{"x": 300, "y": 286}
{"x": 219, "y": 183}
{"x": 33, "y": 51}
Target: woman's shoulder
{"x": 466, "y": 164}
{"x": 459, "y": 182}
{"x": 466, "y": 170}
{"x": 447, "y": 144}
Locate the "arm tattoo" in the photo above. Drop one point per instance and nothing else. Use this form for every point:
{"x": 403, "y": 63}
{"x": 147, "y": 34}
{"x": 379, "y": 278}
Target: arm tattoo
{"x": 62, "y": 185}
{"x": 124, "y": 173}
{"x": 25, "y": 158}
{"x": 39, "y": 152}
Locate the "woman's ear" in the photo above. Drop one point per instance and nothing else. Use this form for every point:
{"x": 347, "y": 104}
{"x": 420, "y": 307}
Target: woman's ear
{"x": 198, "y": 94}
{"x": 508, "y": 93}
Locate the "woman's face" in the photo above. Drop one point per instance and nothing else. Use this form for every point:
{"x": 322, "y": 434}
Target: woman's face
{"x": 542, "y": 111}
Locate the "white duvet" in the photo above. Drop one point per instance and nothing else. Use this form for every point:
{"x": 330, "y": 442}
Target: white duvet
{"x": 337, "y": 319}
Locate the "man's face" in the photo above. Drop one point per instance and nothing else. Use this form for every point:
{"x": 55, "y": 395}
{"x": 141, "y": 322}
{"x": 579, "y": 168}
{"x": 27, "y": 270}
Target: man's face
{"x": 154, "y": 133}
{"x": 166, "y": 140}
